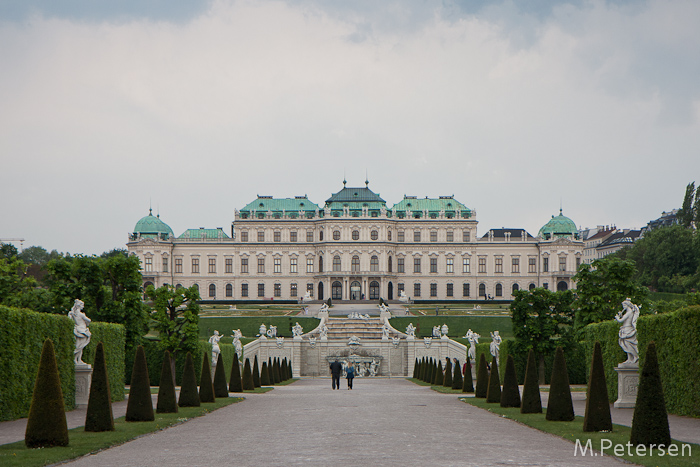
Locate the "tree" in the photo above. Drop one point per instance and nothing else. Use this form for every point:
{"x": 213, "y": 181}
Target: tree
{"x": 531, "y": 402}
{"x": 510, "y": 396}
{"x": 447, "y": 379}
{"x": 650, "y": 419}
{"x": 235, "y": 383}
{"x": 189, "y": 395}
{"x": 597, "y": 417}
{"x": 686, "y": 214}
{"x": 167, "y": 401}
{"x": 457, "y": 380}
{"x": 482, "y": 378}
{"x": 256, "y": 373}
{"x": 220, "y": 385}
{"x": 247, "y": 378}
{"x": 493, "y": 394}
{"x": 468, "y": 381}
{"x": 17, "y": 288}
{"x": 7, "y": 251}
{"x": 206, "y": 387}
{"x": 560, "y": 407}
{"x": 99, "y": 415}
{"x": 139, "y": 408}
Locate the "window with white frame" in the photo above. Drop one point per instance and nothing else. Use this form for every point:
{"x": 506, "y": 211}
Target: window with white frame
{"x": 450, "y": 237}
{"x": 261, "y": 265}
{"x": 293, "y": 236}
{"x": 515, "y": 265}
{"x": 212, "y": 265}
{"x": 293, "y": 265}
{"x": 499, "y": 265}
{"x": 482, "y": 265}
{"x": 261, "y": 235}
{"x": 278, "y": 265}
{"x": 450, "y": 265}
{"x": 466, "y": 266}
{"x": 228, "y": 264}
{"x": 195, "y": 265}
{"x": 244, "y": 265}
{"x": 399, "y": 265}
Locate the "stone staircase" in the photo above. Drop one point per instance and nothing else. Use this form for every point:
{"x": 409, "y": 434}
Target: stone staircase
{"x": 344, "y": 328}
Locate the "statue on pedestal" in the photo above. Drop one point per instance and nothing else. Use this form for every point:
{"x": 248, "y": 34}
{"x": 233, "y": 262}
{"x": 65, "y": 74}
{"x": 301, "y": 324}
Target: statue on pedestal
{"x": 215, "y": 350}
{"x": 262, "y": 331}
{"x": 237, "y": 334}
{"x": 411, "y": 330}
{"x": 628, "y": 332}
{"x": 473, "y": 339}
{"x": 444, "y": 330}
{"x": 81, "y": 331}
{"x": 297, "y": 330}
{"x": 272, "y": 332}
{"x": 495, "y": 346}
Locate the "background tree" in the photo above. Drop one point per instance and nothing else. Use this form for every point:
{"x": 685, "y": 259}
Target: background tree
{"x": 17, "y": 288}
{"x": 686, "y": 214}
{"x": 7, "y": 251}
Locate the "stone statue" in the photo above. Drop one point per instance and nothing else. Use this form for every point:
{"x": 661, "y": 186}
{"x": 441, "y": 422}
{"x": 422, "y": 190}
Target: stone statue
{"x": 385, "y": 332}
{"x": 279, "y": 341}
{"x": 81, "y": 331}
{"x": 297, "y": 330}
{"x": 495, "y": 346}
{"x": 473, "y": 340}
{"x": 215, "y": 350}
{"x": 444, "y": 330}
{"x": 411, "y": 330}
{"x": 323, "y": 333}
{"x": 312, "y": 342}
{"x": 262, "y": 331}
{"x": 396, "y": 341}
{"x": 436, "y": 331}
{"x": 374, "y": 367}
{"x": 272, "y": 332}
{"x": 427, "y": 341}
{"x": 628, "y": 332}
{"x": 323, "y": 308}
{"x": 237, "y": 334}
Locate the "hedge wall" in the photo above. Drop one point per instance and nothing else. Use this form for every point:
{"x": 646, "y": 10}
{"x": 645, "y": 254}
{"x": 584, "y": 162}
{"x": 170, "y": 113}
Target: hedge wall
{"x": 459, "y": 325}
{"x": 113, "y": 337}
{"x": 250, "y": 325}
{"x": 677, "y": 337}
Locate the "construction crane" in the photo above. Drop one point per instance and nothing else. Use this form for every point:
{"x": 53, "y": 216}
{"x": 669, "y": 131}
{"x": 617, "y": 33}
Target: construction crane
{"x": 20, "y": 240}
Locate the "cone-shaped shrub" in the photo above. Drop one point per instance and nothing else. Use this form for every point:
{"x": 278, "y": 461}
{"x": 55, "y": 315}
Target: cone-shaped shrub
{"x": 271, "y": 371}
{"x": 206, "y": 387}
{"x": 140, "y": 406}
{"x": 482, "y": 378}
{"x": 494, "y": 391}
{"x": 247, "y": 379}
{"x": 415, "y": 368}
{"x": 597, "y": 416}
{"x": 433, "y": 371}
{"x": 99, "y": 415}
{"x": 510, "y": 396}
{"x": 189, "y": 396}
{"x": 276, "y": 371}
{"x": 283, "y": 370}
{"x": 264, "y": 375}
{"x": 439, "y": 377}
{"x": 457, "y": 381}
{"x": 290, "y": 374}
{"x": 220, "y": 386}
{"x": 256, "y": 373}
{"x": 46, "y": 425}
{"x": 167, "y": 401}
{"x": 447, "y": 379}
{"x": 650, "y": 420}
{"x": 421, "y": 375}
{"x": 531, "y": 403}
{"x": 468, "y": 383}
{"x": 235, "y": 384}
{"x": 560, "y": 408}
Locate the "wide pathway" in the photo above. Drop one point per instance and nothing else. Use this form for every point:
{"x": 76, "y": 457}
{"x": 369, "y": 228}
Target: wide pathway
{"x": 383, "y": 422}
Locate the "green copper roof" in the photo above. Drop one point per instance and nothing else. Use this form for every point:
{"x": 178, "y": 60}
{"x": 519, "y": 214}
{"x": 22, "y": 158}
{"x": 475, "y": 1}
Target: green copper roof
{"x": 560, "y": 226}
{"x": 204, "y": 233}
{"x": 432, "y": 205}
{"x": 289, "y": 205}
{"x": 152, "y": 226}
{"x": 364, "y": 196}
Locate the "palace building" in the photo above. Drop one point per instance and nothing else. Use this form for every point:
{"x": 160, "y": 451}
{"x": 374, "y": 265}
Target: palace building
{"x": 355, "y": 247}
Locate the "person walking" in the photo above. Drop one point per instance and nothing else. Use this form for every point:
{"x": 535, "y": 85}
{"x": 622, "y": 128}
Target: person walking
{"x": 336, "y": 369}
{"x": 350, "y": 375}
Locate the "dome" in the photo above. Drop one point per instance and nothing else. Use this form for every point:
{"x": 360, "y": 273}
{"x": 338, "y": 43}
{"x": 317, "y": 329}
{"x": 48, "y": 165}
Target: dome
{"x": 152, "y": 226}
{"x": 560, "y": 226}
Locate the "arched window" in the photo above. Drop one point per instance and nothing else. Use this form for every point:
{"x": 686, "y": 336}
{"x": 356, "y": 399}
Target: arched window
{"x": 196, "y": 287}
{"x": 355, "y": 234}
{"x": 178, "y": 286}
{"x": 374, "y": 264}
{"x": 374, "y": 235}
{"x": 482, "y": 290}
{"x": 531, "y": 286}
{"x": 515, "y": 287}
{"x": 561, "y": 286}
{"x": 212, "y": 291}
{"x": 499, "y": 290}
{"x": 229, "y": 290}
{"x": 320, "y": 264}
{"x": 336, "y": 263}
{"x": 374, "y": 290}
{"x": 337, "y": 291}
{"x": 355, "y": 263}
{"x": 336, "y": 235}
{"x": 389, "y": 266}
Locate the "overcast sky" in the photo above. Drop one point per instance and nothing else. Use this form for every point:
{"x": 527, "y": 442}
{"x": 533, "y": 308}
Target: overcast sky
{"x": 197, "y": 107}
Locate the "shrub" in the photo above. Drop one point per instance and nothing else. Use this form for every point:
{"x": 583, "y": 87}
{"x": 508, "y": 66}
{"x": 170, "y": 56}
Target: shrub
{"x": 276, "y": 371}
{"x": 247, "y": 380}
{"x": 99, "y": 415}
{"x": 139, "y": 408}
{"x": 482, "y": 378}
{"x": 264, "y": 375}
{"x": 112, "y": 336}
{"x": 415, "y": 368}
{"x": 597, "y": 417}
{"x": 510, "y": 396}
{"x": 271, "y": 370}
{"x": 531, "y": 402}
{"x": 167, "y": 401}
{"x": 650, "y": 420}
{"x": 493, "y": 394}
{"x": 256, "y": 373}
{"x": 220, "y": 386}
{"x": 468, "y": 384}
{"x": 189, "y": 396}
{"x": 235, "y": 384}
{"x": 46, "y": 425}
{"x": 439, "y": 377}
{"x": 447, "y": 379}
{"x": 457, "y": 380}
{"x": 560, "y": 407}
{"x": 206, "y": 387}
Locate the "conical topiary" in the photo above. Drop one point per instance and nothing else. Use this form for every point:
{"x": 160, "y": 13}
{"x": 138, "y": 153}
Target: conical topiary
{"x": 439, "y": 377}
{"x": 421, "y": 375}
{"x": 283, "y": 370}
{"x": 256, "y": 373}
{"x": 447, "y": 379}
{"x": 457, "y": 380}
{"x": 276, "y": 371}
{"x": 597, "y": 416}
{"x": 220, "y": 385}
{"x": 235, "y": 384}
{"x": 494, "y": 391}
{"x": 167, "y": 401}
{"x": 531, "y": 403}
{"x": 264, "y": 375}
{"x": 247, "y": 379}
{"x": 510, "y": 396}
{"x": 468, "y": 383}
{"x": 415, "y": 368}
{"x": 99, "y": 415}
{"x": 206, "y": 387}
{"x": 650, "y": 420}
{"x": 433, "y": 371}
{"x": 482, "y": 378}
{"x": 271, "y": 371}
{"x": 189, "y": 396}
{"x": 139, "y": 408}
{"x": 47, "y": 425}
{"x": 560, "y": 407}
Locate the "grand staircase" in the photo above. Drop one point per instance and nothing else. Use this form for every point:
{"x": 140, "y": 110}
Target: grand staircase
{"x": 344, "y": 328}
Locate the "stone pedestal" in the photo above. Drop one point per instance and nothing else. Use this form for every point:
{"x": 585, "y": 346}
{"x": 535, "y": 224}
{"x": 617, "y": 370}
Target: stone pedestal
{"x": 83, "y": 378}
{"x": 627, "y": 383}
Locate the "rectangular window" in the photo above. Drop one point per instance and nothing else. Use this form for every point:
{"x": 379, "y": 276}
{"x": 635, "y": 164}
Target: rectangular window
{"x": 195, "y": 265}
{"x": 261, "y": 236}
{"x": 178, "y": 265}
{"x": 293, "y": 266}
{"x": 212, "y": 265}
{"x": 450, "y": 236}
{"x": 515, "y": 264}
{"x": 416, "y": 265}
{"x": 482, "y": 265}
{"x": 309, "y": 265}
{"x": 400, "y": 236}
{"x": 532, "y": 265}
{"x": 450, "y": 265}
{"x": 310, "y": 289}
{"x": 562, "y": 263}
{"x": 293, "y": 289}
{"x": 401, "y": 288}
{"x": 278, "y": 290}
{"x": 416, "y": 290}
{"x": 277, "y": 236}
{"x": 416, "y": 235}
{"x": 261, "y": 265}
{"x": 244, "y": 265}
{"x": 261, "y": 290}
{"x": 165, "y": 264}
{"x": 433, "y": 265}
{"x": 278, "y": 265}
{"x": 433, "y": 235}
{"x": 309, "y": 236}
{"x": 545, "y": 264}
{"x": 149, "y": 264}
{"x": 578, "y": 263}
{"x": 545, "y": 285}
{"x": 499, "y": 265}
{"x": 244, "y": 290}
{"x": 450, "y": 290}
{"x": 465, "y": 290}
{"x": 466, "y": 267}
{"x": 433, "y": 290}
{"x": 388, "y": 235}
{"x": 399, "y": 265}
{"x": 292, "y": 236}
{"x": 229, "y": 265}
{"x": 244, "y": 235}
{"x": 466, "y": 236}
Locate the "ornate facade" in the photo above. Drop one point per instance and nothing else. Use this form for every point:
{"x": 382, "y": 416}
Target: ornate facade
{"x": 355, "y": 248}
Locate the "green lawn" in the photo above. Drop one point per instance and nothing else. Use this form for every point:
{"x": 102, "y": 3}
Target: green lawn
{"x": 250, "y": 325}
{"x": 82, "y": 443}
{"x": 458, "y": 325}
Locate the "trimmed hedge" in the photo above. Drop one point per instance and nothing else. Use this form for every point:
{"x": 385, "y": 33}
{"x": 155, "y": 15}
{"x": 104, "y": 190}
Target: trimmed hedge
{"x": 459, "y": 325}
{"x": 677, "y": 337}
{"x": 250, "y": 325}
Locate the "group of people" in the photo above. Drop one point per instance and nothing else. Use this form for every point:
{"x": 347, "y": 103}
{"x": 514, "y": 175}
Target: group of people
{"x": 337, "y": 369}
